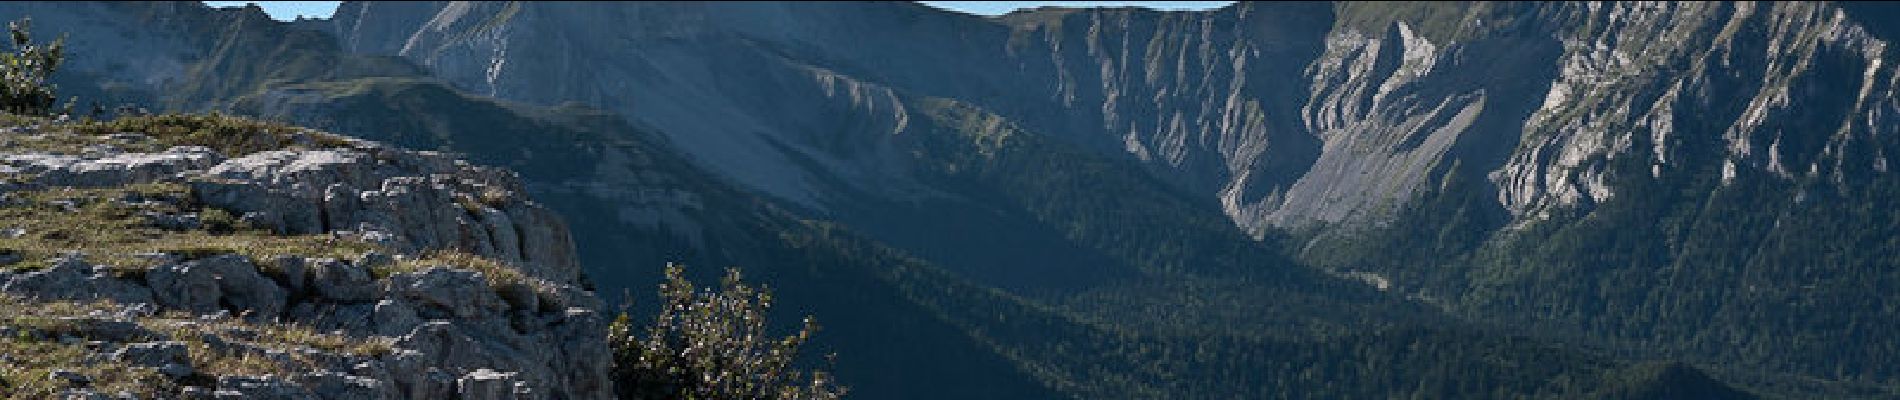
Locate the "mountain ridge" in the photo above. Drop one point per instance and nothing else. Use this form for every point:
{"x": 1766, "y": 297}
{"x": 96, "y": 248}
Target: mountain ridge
{"x": 1455, "y": 161}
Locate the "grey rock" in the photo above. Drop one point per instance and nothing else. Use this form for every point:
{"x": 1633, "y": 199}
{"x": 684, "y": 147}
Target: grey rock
{"x": 159, "y": 258}
{"x": 260, "y": 387}
{"x": 454, "y": 292}
{"x": 411, "y": 200}
{"x": 199, "y": 286}
{"x": 129, "y": 137}
{"x": 290, "y": 271}
{"x": 342, "y": 281}
{"x": 521, "y": 296}
{"x": 101, "y": 150}
{"x": 109, "y": 168}
{"x": 64, "y": 280}
{"x": 445, "y": 342}
{"x": 104, "y": 286}
{"x": 116, "y": 329}
{"x": 393, "y": 318}
{"x": 354, "y": 318}
{"x": 177, "y": 222}
{"x": 154, "y": 354}
{"x": 187, "y": 286}
{"x": 66, "y": 205}
{"x": 375, "y": 259}
{"x": 177, "y": 370}
{"x": 82, "y": 394}
{"x": 217, "y": 344}
{"x": 196, "y": 393}
{"x": 137, "y": 310}
{"x": 70, "y": 378}
{"x": 243, "y": 287}
{"x": 486, "y": 384}
{"x": 71, "y": 278}
{"x": 332, "y": 385}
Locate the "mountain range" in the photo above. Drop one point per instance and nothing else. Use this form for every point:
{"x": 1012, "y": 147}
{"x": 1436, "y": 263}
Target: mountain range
{"x": 1279, "y": 199}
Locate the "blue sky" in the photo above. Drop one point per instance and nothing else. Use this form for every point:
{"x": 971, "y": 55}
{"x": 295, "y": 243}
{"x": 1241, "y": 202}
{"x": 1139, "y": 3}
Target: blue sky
{"x": 288, "y": 10}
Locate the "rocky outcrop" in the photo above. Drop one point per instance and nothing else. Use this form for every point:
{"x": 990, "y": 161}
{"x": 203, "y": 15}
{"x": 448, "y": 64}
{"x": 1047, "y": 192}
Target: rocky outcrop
{"x": 105, "y": 166}
{"x": 71, "y": 278}
{"x": 527, "y": 331}
{"x": 407, "y": 200}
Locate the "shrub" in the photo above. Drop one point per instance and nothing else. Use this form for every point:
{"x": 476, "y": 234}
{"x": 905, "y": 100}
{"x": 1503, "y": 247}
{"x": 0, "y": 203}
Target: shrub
{"x": 713, "y": 345}
{"x": 24, "y": 73}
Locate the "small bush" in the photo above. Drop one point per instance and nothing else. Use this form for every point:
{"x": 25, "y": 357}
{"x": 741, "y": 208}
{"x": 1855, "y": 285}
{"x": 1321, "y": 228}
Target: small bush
{"x": 24, "y": 73}
{"x": 219, "y": 221}
{"x": 712, "y": 345}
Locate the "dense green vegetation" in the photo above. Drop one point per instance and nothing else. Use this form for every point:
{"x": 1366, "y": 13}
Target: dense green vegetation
{"x": 1097, "y": 359}
{"x": 1755, "y": 274}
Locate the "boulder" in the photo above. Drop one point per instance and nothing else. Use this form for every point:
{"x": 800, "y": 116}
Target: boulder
{"x": 341, "y": 281}
{"x": 153, "y": 354}
{"x": 185, "y": 287}
{"x": 64, "y": 280}
{"x": 69, "y": 378}
{"x": 199, "y": 286}
{"x": 340, "y": 386}
{"x": 260, "y": 388}
{"x": 109, "y": 168}
{"x": 486, "y": 384}
{"x": 71, "y": 278}
{"x": 393, "y": 318}
{"x": 246, "y": 290}
{"x": 446, "y": 292}
{"x": 290, "y": 271}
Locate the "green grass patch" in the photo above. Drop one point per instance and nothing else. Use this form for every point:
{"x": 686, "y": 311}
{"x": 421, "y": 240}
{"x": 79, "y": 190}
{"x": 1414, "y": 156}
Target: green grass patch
{"x": 111, "y": 231}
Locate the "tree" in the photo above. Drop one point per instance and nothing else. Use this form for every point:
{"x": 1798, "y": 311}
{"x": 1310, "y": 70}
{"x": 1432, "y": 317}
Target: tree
{"x": 25, "y": 72}
{"x": 713, "y": 345}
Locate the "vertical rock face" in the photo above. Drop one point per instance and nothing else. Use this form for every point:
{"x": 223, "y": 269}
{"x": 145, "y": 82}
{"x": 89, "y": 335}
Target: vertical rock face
{"x": 1673, "y": 80}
